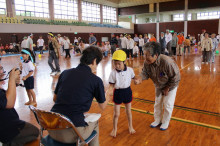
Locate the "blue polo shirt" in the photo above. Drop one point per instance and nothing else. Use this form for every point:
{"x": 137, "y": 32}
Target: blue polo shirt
{"x": 75, "y": 91}
{"x": 10, "y": 124}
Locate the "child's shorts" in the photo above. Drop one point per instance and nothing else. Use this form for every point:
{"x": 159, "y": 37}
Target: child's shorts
{"x": 122, "y": 96}
{"x": 29, "y": 83}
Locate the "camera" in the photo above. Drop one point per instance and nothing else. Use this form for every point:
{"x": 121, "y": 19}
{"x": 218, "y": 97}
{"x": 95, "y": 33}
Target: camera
{"x": 15, "y": 70}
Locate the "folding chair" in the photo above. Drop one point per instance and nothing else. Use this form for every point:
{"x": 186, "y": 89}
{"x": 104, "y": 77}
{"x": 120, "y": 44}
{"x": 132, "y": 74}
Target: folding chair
{"x": 54, "y": 121}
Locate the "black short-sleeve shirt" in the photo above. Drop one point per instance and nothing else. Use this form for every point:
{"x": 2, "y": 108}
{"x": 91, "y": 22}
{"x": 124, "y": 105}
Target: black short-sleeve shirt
{"x": 10, "y": 124}
{"x": 75, "y": 91}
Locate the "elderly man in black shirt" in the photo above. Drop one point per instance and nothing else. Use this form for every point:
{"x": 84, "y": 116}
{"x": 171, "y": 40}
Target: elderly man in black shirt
{"x": 74, "y": 94}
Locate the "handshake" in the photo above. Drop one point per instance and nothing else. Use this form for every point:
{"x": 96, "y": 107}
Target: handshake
{"x": 137, "y": 80}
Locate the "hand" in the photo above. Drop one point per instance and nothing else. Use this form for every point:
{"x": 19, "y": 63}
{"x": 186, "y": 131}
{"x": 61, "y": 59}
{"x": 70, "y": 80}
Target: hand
{"x": 20, "y": 64}
{"x": 137, "y": 80}
{"x": 14, "y": 75}
{"x": 165, "y": 91}
{"x": 24, "y": 78}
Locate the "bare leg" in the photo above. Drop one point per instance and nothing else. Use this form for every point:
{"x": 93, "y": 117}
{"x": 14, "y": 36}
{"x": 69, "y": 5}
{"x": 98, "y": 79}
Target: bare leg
{"x": 29, "y": 96}
{"x": 115, "y": 120}
{"x": 33, "y": 96}
{"x": 129, "y": 116}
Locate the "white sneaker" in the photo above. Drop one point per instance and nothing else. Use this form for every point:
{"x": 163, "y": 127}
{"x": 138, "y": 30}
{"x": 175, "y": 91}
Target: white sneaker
{"x": 53, "y": 74}
{"x": 58, "y": 73}
{"x": 207, "y": 63}
{"x": 164, "y": 126}
{"x": 203, "y": 62}
{"x": 155, "y": 124}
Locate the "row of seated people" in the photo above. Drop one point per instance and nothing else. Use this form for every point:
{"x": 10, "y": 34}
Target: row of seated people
{"x": 11, "y": 48}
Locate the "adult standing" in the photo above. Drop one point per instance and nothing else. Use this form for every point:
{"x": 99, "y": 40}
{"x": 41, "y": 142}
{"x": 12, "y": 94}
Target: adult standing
{"x": 130, "y": 46}
{"x": 214, "y": 47}
{"x": 206, "y": 48}
{"x": 180, "y": 45}
{"x": 66, "y": 44}
{"x": 141, "y": 44}
{"x": 113, "y": 43}
{"x": 92, "y": 39}
{"x": 165, "y": 74}
{"x": 146, "y": 39}
{"x": 123, "y": 43}
{"x": 60, "y": 41}
{"x": 174, "y": 43}
{"x": 119, "y": 42}
{"x": 40, "y": 44}
{"x": 54, "y": 54}
{"x": 168, "y": 38}
{"x": 31, "y": 47}
{"x": 24, "y": 43}
{"x": 162, "y": 43}
{"x": 74, "y": 103}
{"x": 136, "y": 39}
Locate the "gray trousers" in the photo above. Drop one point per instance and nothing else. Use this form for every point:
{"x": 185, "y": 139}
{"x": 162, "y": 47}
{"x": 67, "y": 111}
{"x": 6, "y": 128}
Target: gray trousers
{"x": 212, "y": 56}
{"x": 169, "y": 48}
{"x": 53, "y": 57}
{"x": 27, "y": 134}
{"x": 69, "y": 136}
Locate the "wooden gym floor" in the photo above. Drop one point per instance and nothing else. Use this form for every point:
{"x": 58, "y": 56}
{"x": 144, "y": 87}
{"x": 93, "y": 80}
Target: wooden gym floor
{"x": 196, "y": 116}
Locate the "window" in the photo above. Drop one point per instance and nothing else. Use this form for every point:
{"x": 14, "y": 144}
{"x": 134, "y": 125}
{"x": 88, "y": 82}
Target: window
{"x": 180, "y": 17}
{"x": 90, "y": 11}
{"x": 2, "y": 7}
{"x": 66, "y": 9}
{"x": 109, "y": 14}
{"x": 208, "y": 15}
{"x": 32, "y": 8}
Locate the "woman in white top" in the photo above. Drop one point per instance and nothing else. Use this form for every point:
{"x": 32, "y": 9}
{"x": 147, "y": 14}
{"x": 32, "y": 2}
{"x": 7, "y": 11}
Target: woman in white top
{"x": 82, "y": 45}
{"x": 66, "y": 44}
{"x": 141, "y": 44}
{"x": 130, "y": 46}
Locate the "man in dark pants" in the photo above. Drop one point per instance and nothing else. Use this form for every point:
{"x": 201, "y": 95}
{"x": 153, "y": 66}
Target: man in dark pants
{"x": 13, "y": 131}
{"x": 74, "y": 94}
{"x": 54, "y": 54}
{"x": 113, "y": 42}
{"x": 162, "y": 43}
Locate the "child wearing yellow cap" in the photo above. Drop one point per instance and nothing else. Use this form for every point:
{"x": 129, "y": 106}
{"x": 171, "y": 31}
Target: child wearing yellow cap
{"x": 120, "y": 80}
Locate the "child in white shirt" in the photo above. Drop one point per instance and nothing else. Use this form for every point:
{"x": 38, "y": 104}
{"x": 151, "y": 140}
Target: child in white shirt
{"x": 135, "y": 50}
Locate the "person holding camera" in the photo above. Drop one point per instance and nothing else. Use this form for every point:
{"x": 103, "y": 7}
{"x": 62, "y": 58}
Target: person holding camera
{"x": 13, "y": 131}
{"x": 27, "y": 68}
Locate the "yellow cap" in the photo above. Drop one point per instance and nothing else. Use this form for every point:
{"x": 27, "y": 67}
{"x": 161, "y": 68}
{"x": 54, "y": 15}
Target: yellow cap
{"x": 119, "y": 55}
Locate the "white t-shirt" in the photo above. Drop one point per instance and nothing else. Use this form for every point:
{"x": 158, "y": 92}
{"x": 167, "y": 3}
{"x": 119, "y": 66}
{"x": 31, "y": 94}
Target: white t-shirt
{"x": 66, "y": 44}
{"x": 168, "y": 37}
{"x": 124, "y": 42}
{"x": 60, "y": 40}
{"x": 85, "y": 46}
{"x": 27, "y": 67}
{"x": 141, "y": 42}
{"x": 24, "y": 44}
{"x": 40, "y": 42}
{"x": 130, "y": 43}
{"x": 75, "y": 40}
{"x": 135, "y": 50}
{"x": 107, "y": 47}
{"x": 121, "y": 79}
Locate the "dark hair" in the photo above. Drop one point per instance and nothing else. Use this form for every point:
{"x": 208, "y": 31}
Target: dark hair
{"x": 83, "y": 41}
{"x": 27, "y": 49}
{"x": 153, "y": 47}
{"x": 91, "y": 53}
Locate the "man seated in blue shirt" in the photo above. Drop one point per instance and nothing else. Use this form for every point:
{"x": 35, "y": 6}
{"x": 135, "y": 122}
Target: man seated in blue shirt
{"x": 74, "y": 94}
{"x": 13, "y": 131}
